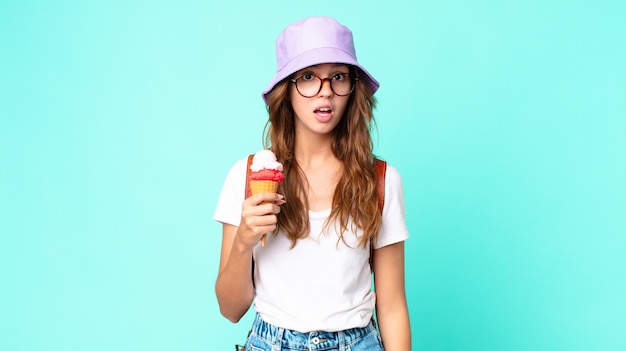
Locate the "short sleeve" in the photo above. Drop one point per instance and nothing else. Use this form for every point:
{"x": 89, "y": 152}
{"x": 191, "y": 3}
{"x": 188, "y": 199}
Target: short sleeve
{"x": 394, "y": 227}
{"x": 228, "y": 208}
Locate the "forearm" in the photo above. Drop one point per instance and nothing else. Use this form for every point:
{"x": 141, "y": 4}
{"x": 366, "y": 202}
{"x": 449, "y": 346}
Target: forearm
{"x": 234, "y": 287}
{"x": 395, "y": 330}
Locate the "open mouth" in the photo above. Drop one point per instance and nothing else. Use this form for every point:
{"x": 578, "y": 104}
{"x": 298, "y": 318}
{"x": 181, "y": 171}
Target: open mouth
{"x": 323, "y": 110}
{"x": 323, "y": 113}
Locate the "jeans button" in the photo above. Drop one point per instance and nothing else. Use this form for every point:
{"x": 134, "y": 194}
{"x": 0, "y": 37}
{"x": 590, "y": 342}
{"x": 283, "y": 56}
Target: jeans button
{"x": 315, "y": 340}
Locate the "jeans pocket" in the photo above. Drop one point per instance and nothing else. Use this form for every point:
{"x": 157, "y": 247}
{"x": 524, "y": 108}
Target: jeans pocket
{"x": 256, "y": 343}
{"x": 370, "y": 342}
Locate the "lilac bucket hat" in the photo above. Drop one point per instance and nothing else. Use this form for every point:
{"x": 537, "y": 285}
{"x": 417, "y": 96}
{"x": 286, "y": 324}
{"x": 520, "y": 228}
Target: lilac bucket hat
{"x": 313, "y": 41}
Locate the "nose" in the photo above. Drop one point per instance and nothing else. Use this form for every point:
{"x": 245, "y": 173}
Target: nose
{"x": 326, "y": 89}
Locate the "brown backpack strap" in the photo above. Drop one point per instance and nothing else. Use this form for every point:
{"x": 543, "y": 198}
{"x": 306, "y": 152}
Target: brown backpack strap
{"x": 381, "y": 170}
{"x": 248, "y": 190}
{"x": 248, "y": 194}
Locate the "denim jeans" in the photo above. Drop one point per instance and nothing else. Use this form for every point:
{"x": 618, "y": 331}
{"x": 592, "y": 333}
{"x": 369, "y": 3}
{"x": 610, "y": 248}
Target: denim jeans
{"x": 267, "y": 337}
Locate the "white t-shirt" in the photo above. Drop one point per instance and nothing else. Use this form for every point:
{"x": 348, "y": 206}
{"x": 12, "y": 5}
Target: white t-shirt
{"x": 323, "y": 283}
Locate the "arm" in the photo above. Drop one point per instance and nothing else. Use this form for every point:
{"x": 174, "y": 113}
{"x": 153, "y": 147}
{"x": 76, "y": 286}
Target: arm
{"x": 391, "y": 306}
{"x": 234, "y": 287}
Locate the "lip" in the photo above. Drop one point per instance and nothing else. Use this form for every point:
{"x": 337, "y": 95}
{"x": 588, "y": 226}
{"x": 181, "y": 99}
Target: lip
{"x": 323, "y": 113}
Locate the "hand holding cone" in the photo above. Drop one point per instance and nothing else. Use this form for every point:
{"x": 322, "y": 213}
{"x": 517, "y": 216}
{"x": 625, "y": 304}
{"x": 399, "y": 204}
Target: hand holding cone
{"x": 265, "y": 176}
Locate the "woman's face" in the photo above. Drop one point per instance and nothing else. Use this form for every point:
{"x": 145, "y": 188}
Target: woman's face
{"x": 320, "y": 113}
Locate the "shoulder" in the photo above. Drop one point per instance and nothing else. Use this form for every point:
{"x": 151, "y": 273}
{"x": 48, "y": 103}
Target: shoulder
{"x": 238, "y": 169}
{"x": 392, "y": 172}
{"x": 394, "y": 191}
{"x": 236, "y": 177}
{"x": 228, "y": 208}
{"x": 392, "y": 176}
{"x": 394, "y": 227}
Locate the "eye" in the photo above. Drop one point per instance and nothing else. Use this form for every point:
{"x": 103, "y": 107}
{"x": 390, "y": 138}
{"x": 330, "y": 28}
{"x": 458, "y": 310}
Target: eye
{"x": 307, "y": 77}
{"x": 340, "y": 77}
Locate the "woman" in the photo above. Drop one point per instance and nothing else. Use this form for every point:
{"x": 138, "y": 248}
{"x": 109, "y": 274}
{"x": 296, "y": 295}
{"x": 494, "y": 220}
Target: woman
{"x": 311, "y": 282}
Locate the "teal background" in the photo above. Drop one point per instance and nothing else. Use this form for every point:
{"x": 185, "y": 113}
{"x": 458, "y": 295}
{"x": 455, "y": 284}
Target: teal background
{"x": 120, "y": 119}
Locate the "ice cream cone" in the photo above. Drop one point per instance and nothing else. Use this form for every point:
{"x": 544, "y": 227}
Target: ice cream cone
{"x": 263, "y": 186}
{"x": 266, "y": 173}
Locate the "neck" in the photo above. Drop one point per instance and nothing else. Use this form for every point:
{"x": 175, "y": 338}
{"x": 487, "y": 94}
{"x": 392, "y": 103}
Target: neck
{"x": 313, "y": 150}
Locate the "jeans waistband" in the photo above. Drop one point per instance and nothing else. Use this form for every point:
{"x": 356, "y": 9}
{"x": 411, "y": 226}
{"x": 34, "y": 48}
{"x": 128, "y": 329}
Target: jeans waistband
{"x": 313, "y": 340}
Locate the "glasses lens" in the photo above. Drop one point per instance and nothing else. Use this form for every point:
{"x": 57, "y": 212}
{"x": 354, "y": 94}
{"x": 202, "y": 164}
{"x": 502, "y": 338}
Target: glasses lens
{"x": 341, "y": 84}
{"x": 308, "y": 85}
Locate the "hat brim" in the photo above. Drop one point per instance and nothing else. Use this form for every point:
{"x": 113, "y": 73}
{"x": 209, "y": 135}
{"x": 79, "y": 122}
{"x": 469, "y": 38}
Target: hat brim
{"x": 315, "y": 57}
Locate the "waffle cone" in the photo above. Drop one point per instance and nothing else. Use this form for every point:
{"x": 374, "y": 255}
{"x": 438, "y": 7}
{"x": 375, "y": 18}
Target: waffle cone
{"x": 263, "y": 186}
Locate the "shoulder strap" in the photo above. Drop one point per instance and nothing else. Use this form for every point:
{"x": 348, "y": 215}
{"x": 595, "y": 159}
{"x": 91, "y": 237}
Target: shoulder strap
{"x": 381, "y": 170}
{"x": 248, "y": 194}
{"x": 248, "y": 190}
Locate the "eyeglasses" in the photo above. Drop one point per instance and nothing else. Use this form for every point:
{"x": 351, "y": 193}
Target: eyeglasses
{"x": 309, "y": 85}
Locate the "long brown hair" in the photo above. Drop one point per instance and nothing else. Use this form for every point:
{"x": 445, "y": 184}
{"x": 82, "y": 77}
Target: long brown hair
{"x": 355, "y": 199}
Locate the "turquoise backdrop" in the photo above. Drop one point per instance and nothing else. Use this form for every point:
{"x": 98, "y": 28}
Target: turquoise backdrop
{"x": 120, "y": 119}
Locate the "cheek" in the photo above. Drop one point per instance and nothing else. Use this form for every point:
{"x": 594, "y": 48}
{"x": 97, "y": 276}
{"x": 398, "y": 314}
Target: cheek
{"x": 298, "y": 103}
{"x": 341, "y": 108}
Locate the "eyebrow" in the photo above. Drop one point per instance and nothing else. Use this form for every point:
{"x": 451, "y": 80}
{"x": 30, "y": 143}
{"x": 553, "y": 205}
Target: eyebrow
{"x": 334, "y": 66}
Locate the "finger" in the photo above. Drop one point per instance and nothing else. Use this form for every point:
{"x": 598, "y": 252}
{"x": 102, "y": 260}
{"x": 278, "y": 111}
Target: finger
{"x": 264, "y": 197}
{"x": 261, "y": 221}
{"x": 260, "y": 210}
{"x": 257, "y": 224}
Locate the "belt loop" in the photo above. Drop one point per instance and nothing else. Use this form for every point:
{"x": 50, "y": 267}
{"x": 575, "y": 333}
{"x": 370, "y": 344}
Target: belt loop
{"x": 341, "y": 339}
{"x": 278, "y": 342}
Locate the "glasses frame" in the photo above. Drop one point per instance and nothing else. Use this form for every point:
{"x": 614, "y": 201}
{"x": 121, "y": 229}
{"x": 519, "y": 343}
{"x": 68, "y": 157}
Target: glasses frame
{"x": 352, "y": 78}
